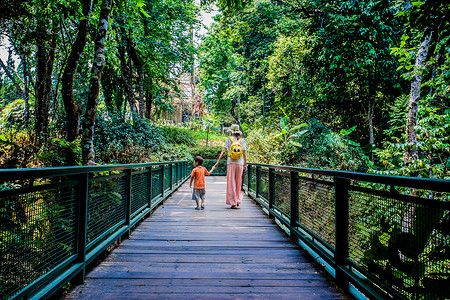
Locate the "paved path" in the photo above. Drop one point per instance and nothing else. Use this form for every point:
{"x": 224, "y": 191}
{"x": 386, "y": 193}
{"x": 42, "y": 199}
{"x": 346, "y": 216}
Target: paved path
{"x": 217, "y": 253}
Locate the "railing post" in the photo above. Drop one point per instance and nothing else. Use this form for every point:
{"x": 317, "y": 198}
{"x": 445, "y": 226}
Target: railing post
{"x": 294, "y": 202}
{"x": 171, "y": 177}
{"x": 128, "y": 199}
{"x": 82, "y": 213}
{"x": 163, "y": 174}
{"x": 258, "y": 177}
{"x": 341, "y": 252}
{"x": 150, "y": 186}
{"x": 271, "y": 190}
{"x": 249, "y": 178}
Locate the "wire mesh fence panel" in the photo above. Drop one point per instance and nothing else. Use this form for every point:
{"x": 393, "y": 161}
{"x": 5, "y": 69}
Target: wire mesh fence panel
{"x": 166, "y": 178}
{"x": 316, "y": 207}
{"x": 106, "y": 206}
{"x": 264, "y": 184}
{"x": 156, "y": 183}
{"x": 253, "y": 180}
{"x": 37, "y": 233}
{"x": 404, "y": 243}
{"x": 282, "y": 192}
{"x": 173, "y": 172}
{"x": 139, "y": 193}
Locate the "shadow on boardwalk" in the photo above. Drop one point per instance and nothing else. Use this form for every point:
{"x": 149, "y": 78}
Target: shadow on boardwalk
{"x": 217, "y": 253}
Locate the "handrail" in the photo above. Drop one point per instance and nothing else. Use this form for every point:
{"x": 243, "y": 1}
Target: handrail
{"x": 55, "y": 221}
{"x": 383, "y": 236}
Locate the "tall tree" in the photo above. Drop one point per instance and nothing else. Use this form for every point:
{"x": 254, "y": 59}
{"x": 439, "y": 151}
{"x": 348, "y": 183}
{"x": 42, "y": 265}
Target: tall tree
{"x": 45, "y": 55}
{"x": 411, "y": 152}
{"x": 88, "y": 152}
{"x": 73, "y": 111}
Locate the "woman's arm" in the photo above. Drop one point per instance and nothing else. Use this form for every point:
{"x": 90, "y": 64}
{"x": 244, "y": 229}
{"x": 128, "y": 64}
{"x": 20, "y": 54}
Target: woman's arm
{"x": 244, "y": 155}
{"x": 220, "y": 156}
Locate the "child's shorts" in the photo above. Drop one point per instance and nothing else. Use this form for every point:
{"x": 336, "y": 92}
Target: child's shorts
{"x": 198, "y": 194}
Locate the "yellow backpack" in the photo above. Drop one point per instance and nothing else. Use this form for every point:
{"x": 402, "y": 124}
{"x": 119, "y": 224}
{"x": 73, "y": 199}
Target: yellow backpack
{"x": 235, "y": 149}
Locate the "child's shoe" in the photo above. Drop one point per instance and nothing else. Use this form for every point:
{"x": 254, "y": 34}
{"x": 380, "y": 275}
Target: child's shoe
{"x": 203, "y": 207}
{"x": 198, "y": 208}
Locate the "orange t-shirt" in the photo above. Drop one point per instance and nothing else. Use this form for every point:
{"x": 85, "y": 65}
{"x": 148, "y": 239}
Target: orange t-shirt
{"x": 199, "y": 174}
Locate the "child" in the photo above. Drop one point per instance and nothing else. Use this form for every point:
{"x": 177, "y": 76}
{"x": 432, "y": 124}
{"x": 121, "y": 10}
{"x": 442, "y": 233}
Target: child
{"x": 198, "y": 176}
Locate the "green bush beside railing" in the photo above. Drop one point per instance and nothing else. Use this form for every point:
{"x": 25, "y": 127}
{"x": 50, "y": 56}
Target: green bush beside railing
{"x": 386, "y": 236}
{"x": 55, "y": 221}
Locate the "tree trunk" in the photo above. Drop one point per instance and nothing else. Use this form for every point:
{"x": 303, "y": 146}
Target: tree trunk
{"x": 370, "y": 112}
{"x": 73, "y": 112}
{"x": 148, "y": 105}
{"x": 109, "y": 89}
{"x": 88, "y": 152}
{"x": 26, "y": 92}
{"x": 137, "y": 62}
{"x": 411, "y": 152}
{"x": 11, "y": 76}
{"x": 45, "y": 55}
{"x": 126, "y": 76}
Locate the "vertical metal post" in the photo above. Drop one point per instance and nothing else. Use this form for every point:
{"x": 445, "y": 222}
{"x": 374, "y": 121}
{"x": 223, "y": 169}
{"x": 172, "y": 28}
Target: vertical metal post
{"x": 82, "y": 213}
{"x": 258, "y": 179}
{"x": 163, "y": 174}
{"x": 150, "y": 186}
{"x": 249, "y": 178}
{"x": 271, "y": 190}
{"x": 171, "y": 177}
{"x": 341, "y": 252}
{"x": 128, "y": 200}
{"x": 294, "y": 201}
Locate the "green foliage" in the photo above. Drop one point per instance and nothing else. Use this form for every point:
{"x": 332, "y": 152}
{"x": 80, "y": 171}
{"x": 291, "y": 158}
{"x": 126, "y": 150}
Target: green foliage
{"x": 17, "y": 148}
{"x": 13, "y": 115}
{"x": 60, "y": 152}
{"x": 433, "y": 134}
{"x": 316, "y": 147}
{"x": 117, "y": 141}
{"x": 407, "y": 248}
{"x": 177, "y": 135}
{"x": 210, "y": 152}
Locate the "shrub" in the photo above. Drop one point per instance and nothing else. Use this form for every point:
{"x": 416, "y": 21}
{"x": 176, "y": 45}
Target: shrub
{"x": 317, "y": 147}
{"x": 60, "y": 152}
{"x": 117, "y": 141}
{"x": 13, "y": 115}
{"x": 178, "y": 135}
{"x": 210, "y": 152}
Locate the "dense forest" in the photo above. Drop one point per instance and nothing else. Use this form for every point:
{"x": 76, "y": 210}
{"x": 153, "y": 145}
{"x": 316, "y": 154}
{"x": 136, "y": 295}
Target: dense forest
{"x": 355, "y": 84}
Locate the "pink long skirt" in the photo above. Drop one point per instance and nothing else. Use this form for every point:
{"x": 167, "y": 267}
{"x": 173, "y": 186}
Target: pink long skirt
{"x": 234, "y": 184}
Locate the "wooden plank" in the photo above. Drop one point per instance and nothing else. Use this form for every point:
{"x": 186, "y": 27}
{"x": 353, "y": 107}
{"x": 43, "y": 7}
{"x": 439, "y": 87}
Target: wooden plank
{"x": 216, "y": 253}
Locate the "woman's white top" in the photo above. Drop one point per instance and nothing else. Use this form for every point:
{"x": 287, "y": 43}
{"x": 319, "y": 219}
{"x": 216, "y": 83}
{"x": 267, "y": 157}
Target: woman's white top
{"x": 228, "y": 145}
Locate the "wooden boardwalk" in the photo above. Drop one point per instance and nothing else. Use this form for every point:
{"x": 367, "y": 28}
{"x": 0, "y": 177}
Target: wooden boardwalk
{"x": 217, "y": 253}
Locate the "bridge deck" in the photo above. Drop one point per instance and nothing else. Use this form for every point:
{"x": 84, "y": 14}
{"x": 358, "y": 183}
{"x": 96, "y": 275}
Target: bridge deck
{"x": 217, "y": 253}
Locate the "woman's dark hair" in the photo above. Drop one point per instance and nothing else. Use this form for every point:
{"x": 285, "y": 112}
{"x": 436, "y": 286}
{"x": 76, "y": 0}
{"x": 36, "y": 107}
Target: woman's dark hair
{"x": 199, "y": 160}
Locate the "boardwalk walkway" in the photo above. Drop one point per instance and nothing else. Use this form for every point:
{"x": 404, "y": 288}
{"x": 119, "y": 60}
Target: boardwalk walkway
{"x": 217, "y": 253}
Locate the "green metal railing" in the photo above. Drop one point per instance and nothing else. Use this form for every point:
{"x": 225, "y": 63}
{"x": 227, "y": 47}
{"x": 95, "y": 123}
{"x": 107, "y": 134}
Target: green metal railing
{"x": 55, "y": 221}
{"x": 381, "y": 236}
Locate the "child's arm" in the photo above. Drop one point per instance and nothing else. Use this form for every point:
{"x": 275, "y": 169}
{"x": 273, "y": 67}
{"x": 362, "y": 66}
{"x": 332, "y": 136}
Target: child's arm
{"x": 212, "y": 169}
{"x": 190, "y": 183}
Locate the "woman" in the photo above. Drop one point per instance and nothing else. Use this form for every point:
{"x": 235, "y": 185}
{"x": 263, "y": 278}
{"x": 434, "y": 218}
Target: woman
{"x": 235, "y": 167}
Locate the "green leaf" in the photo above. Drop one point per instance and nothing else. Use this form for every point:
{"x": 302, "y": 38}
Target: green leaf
{"x": 352, "y": 143}
{"x": 351, "y": 129}
{"x": 299, "y": 126}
